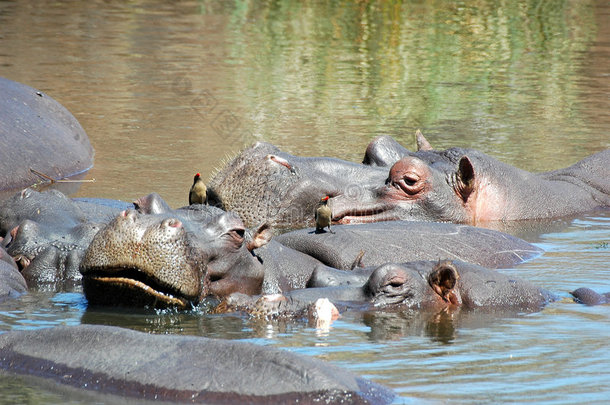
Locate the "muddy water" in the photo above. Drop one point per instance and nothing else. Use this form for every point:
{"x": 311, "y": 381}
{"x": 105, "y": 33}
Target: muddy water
{"x": 167, "y": 89}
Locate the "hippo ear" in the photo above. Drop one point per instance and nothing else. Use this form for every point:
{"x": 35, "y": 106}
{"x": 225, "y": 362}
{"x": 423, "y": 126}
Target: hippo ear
{"x": 422, "y": 143}
{"x": 261, "y": 236}
{"x": 465, "y": 177}
{"x": 443, "y": 280}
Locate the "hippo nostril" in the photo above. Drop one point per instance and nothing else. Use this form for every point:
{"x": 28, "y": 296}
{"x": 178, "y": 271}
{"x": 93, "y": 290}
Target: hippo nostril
{"x": 172, "y": 222}
{"x": 129, "y": 214}
{"x": 22, "y": 262}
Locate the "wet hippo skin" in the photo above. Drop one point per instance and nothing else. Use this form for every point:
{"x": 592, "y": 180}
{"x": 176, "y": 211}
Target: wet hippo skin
{"x": 421, "y": 285}
{"x": 180, "y": 368}
{"x": 401, "y": 241}
{"x": 589, "y": 297}
{"x": 36, "y": 132}
{"x": 12, "y": 283}
{"x": 460, "y": 185}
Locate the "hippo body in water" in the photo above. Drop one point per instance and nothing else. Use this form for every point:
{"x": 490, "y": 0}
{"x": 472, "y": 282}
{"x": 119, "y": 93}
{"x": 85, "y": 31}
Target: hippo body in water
{"x": 402, "y": 241}
{"x": 454, "y": 185}
{"x": 589, "y": 297}
{"x": 12, "y": 283}
{"x": 179, "y": 369}
{"x": 167, "y": 260}
{"x": 36, "y": 132}
{"x": 421, "y": 285}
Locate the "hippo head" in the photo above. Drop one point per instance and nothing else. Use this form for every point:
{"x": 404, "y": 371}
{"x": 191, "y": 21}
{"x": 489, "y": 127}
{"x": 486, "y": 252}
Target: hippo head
{"x": 46, "y": 233}
{"x": 254, "y": 184}
{"x": 228, "y": 248}
{"x": 168, "y": 260}
{"x": 263, "y": 184}
{"x": 144, "y": 260}
{"x": 50, "y": 255}
{"x": 399, "y": 285}
{"x": 415, "y": 189}
{"x": 454, "y": 185}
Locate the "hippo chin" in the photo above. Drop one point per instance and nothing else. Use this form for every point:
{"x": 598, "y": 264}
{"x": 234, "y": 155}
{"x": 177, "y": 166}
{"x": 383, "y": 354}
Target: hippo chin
{"x": 179, "y": 369}
{"x": 454, "y": 185}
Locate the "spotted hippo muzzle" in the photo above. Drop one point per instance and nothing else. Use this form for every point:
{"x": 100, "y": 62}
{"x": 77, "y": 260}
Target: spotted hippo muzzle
{"x": 144, "y": 260}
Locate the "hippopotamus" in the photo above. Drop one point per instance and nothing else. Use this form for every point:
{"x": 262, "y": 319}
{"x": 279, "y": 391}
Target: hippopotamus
{"x": 466, "y": 186}
{"x": 130, "y": 365}
{"x": 165, "y": 259}
{"x": 264, "y": 184}
{"x": 421, "y": 285}
{"x": 12, "y": 283}
{"x": 47, "y": 233}
{"x": 455, "y": 185}
{"x": 589, "y": 297}
{"x": 36, "y": 132}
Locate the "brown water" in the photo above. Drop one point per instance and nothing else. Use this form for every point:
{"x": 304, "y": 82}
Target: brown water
{"x": 167, "y": 89}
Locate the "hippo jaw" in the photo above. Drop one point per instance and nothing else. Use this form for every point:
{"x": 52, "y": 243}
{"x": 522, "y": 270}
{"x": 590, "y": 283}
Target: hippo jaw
{"x": 132, "y": 287}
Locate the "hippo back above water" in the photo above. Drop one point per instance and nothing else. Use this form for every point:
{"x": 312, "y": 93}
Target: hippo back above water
{"x": 140, "y": 366}
{"x": 36, "y": 132}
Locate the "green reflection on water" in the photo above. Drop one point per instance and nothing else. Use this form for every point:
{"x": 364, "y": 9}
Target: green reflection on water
{"x": 462, "y": 71}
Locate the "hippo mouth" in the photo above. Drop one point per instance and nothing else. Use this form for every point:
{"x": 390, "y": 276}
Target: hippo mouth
{"x": 365, "y": 215}
{"x": 130, "y": 287}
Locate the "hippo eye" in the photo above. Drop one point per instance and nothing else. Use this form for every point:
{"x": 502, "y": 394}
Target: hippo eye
{"x": 411, "y": 180}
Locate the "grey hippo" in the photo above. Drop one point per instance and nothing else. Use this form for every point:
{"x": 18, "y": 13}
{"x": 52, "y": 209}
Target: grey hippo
{"x": 36, "y": 132}
{"x": 589, "y": 297}
{"x": 455, "y": 185}
{"x": 47, "y": 233}
{"x": 178, "y": 369}
{"x": 421, "y": 285}
{"x": 12, "y": 283}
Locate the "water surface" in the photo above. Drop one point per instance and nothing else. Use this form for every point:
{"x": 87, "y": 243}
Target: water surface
{"x": 167, "y": 89}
